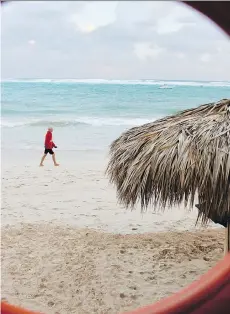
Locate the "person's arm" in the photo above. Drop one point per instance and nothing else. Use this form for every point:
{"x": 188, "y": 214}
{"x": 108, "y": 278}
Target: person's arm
{"x": 53, "y": 144}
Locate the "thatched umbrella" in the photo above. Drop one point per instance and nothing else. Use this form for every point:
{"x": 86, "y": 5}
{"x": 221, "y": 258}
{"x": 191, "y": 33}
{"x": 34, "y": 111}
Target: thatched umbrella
{"x": 174, "y": 159}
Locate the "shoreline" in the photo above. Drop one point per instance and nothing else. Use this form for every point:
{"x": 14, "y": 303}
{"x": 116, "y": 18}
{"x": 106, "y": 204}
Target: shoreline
{"x": 73, "y": 270}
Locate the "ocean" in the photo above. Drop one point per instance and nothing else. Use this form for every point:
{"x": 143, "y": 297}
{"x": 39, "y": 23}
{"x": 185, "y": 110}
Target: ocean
{"x": 87, "y": 115}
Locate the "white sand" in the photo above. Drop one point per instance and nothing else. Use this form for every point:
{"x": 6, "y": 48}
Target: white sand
{"x": 53, "y": 260}
{"x": 79, "y": 194}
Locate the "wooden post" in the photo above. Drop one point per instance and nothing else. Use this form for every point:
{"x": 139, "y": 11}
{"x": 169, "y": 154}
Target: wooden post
{"x": 227, "y": 239}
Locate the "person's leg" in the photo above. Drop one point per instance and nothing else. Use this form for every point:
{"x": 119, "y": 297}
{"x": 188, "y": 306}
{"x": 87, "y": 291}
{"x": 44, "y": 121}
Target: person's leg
{"x": 54, "y": 160}
{"x": 42, "y": 160}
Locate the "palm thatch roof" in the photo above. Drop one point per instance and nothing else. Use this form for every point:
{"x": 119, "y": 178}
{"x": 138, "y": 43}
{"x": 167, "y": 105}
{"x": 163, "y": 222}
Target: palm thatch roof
{"x": 171, "y": 160}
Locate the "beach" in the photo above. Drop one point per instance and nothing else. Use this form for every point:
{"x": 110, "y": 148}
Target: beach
{"x": 77, "y": 193}
{"x": 69, "y": 247}
{"x": 68, "y": 270}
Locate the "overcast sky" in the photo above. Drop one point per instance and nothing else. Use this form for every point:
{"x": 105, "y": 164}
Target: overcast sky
{"x": 111, "y": 40}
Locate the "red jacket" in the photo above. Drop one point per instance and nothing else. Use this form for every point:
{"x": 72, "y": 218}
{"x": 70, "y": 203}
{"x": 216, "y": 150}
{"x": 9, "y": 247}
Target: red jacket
{"x": 49, "y": 144}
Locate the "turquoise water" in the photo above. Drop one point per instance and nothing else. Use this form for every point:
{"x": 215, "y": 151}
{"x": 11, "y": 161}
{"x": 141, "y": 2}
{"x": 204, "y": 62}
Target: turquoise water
{"x": 88, "y": 115}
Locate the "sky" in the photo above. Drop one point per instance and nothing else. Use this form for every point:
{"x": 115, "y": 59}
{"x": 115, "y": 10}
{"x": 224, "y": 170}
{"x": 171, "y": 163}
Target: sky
{"x": 111, "y": 40}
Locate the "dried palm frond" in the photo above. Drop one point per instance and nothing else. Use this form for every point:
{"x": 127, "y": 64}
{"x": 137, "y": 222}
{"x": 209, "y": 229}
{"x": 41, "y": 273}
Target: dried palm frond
{"x": 169, "y": 161}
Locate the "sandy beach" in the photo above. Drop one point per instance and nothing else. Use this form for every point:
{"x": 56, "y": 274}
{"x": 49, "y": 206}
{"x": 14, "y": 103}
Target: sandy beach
{"x": 68, "y": 270}
{"x": 68, "y": 247}
{"x": 78, "y": 194}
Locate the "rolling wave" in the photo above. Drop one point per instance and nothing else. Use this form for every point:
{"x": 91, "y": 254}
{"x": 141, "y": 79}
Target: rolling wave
{"x": 123, "y": 82}
{"x": 90, "y": 121}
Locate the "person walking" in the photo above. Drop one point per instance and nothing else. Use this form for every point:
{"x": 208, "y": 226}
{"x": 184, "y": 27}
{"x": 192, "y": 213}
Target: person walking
{"x": 49, "y": 145}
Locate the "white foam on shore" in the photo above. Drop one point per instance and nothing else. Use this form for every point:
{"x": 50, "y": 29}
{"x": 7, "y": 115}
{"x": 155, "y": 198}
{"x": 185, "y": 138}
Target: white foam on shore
{"x": 92, "y": 121}
{"x": 124, "y": 82}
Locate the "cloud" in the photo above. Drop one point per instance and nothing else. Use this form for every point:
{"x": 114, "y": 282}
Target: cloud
{"x": 177, "y": 19}
{"x": 180, "y": 55}
{"x": 120, "y": 40}
{"x": 146, "y": 50}
{"x": 32, "y": 42}
{"x": 206, "y": 57}
{"x": 94, "y": 15}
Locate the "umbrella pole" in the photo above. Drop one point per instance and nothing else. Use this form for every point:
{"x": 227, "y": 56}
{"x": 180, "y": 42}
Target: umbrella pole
{"x": 227, "y": 239}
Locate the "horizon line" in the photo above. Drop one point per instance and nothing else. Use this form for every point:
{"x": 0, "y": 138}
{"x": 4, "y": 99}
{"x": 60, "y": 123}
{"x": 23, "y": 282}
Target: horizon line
{"x": 112, "y": 79}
